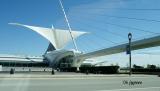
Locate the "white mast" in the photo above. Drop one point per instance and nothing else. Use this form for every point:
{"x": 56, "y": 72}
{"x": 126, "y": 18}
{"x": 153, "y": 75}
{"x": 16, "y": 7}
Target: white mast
{"x": 70, "y": 30}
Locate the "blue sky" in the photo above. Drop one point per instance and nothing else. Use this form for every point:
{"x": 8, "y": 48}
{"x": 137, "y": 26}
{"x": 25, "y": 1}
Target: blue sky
{"x": 102, "y": 18}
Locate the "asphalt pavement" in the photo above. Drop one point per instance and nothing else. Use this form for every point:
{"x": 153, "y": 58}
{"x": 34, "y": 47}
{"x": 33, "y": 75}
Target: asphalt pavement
{"x": 79, "y": 82}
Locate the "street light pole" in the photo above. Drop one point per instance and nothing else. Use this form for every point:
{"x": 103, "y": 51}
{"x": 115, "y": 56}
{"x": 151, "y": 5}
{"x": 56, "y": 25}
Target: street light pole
{"x": 130, "y": 63}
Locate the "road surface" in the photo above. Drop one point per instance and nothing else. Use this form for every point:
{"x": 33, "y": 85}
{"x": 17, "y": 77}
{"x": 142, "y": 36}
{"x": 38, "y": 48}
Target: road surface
{"x": 29, "y": 82}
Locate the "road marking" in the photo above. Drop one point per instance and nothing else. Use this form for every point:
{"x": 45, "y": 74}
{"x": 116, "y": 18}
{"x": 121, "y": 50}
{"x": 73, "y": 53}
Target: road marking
{"x": 130, "y": 89}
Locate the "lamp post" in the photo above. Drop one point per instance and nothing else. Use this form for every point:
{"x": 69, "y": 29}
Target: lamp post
{"x": 129, "y": 38}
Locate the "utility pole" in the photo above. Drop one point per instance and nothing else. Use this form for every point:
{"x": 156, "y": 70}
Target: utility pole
{"x": 130, "y": 63}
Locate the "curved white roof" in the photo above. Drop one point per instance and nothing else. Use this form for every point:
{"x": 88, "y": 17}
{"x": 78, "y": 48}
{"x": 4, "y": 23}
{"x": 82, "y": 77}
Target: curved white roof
{"x": 58, "y": 38}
